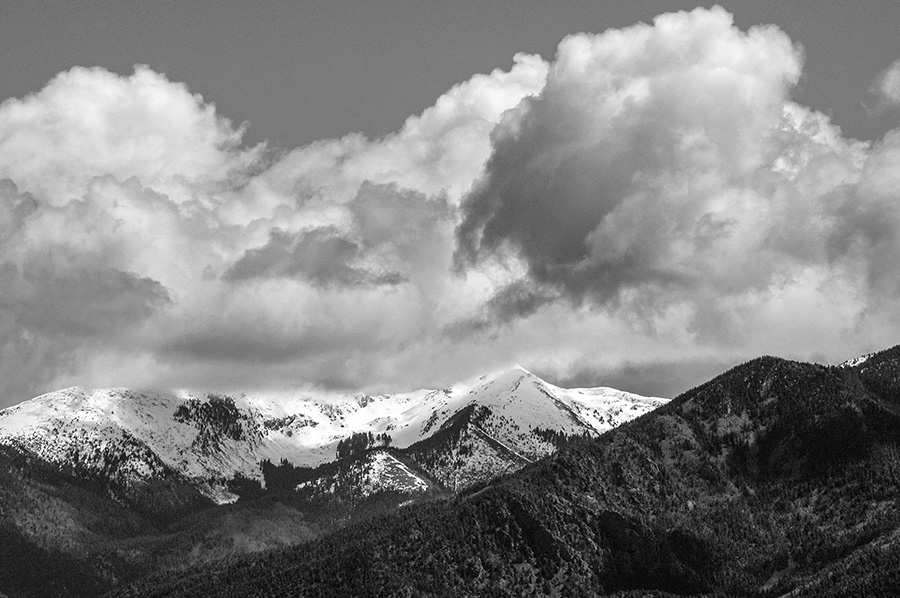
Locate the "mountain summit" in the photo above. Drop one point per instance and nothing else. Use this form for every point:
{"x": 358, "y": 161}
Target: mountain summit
{"x": 134, "y": 437}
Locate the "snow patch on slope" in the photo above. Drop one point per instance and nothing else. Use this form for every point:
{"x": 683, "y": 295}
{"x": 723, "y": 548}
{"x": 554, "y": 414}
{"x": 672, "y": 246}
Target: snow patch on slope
{"x": 856, "y": 361}
{"x": 377, "y": 471}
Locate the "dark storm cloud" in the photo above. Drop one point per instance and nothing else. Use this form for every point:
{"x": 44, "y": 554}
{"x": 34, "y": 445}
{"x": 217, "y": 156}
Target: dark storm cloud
{"x": 518, "y": 299}
{"x": 322, "y": 256}
{"x": 603, "y": 184}
{"x": 546, "y": 191}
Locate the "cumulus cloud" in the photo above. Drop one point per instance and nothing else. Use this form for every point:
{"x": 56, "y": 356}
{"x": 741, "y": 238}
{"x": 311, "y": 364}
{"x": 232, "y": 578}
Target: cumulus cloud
{"x": 647, "y": 204}
{"x": 885, "y": 88}
{"x": 635, "y": 167}
{"x": 143, "y": 244}
{"x": 664, "y": 167}
{"x": 88, "y": 122}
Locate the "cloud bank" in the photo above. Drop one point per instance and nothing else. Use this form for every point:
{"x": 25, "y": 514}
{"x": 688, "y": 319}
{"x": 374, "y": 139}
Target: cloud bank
{"x": 650, "y": 196}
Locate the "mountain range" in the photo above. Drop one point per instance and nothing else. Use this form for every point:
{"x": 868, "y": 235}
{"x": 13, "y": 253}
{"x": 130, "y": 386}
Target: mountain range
{"x": 776, "y": 478}
{"x": 103, "y": 486}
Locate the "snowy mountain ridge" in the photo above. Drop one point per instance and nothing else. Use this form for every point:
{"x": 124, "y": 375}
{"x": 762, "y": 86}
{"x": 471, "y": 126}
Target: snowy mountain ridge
{"x": 132, "y": 437}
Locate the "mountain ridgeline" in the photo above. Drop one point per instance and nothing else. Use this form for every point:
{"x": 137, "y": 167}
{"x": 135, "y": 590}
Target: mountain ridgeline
{"x": 775, "y": 478}
{"x": 218, "y": 445}
{"x": 101, "y": 487}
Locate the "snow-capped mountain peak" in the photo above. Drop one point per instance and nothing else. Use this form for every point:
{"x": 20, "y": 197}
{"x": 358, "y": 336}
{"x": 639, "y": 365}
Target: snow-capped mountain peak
{"x": 209, "y": 439}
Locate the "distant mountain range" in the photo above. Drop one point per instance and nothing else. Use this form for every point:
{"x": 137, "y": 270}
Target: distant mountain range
{"x": 776, "y": 478}
{"x": 102, "y": 486}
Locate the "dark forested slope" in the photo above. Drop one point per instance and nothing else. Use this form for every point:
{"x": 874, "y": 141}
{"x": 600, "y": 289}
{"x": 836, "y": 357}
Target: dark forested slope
{"x": 775, "y": 476}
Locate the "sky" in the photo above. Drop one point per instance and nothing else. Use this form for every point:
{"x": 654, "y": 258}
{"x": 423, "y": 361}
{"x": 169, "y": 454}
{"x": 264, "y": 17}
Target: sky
{"x": 374, "y": 197}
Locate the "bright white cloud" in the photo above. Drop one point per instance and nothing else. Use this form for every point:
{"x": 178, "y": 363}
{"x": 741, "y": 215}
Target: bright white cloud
{"x": 88, "y": 122}
{"x": 653, "y": 195}
{"x": 169, "y": 257}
